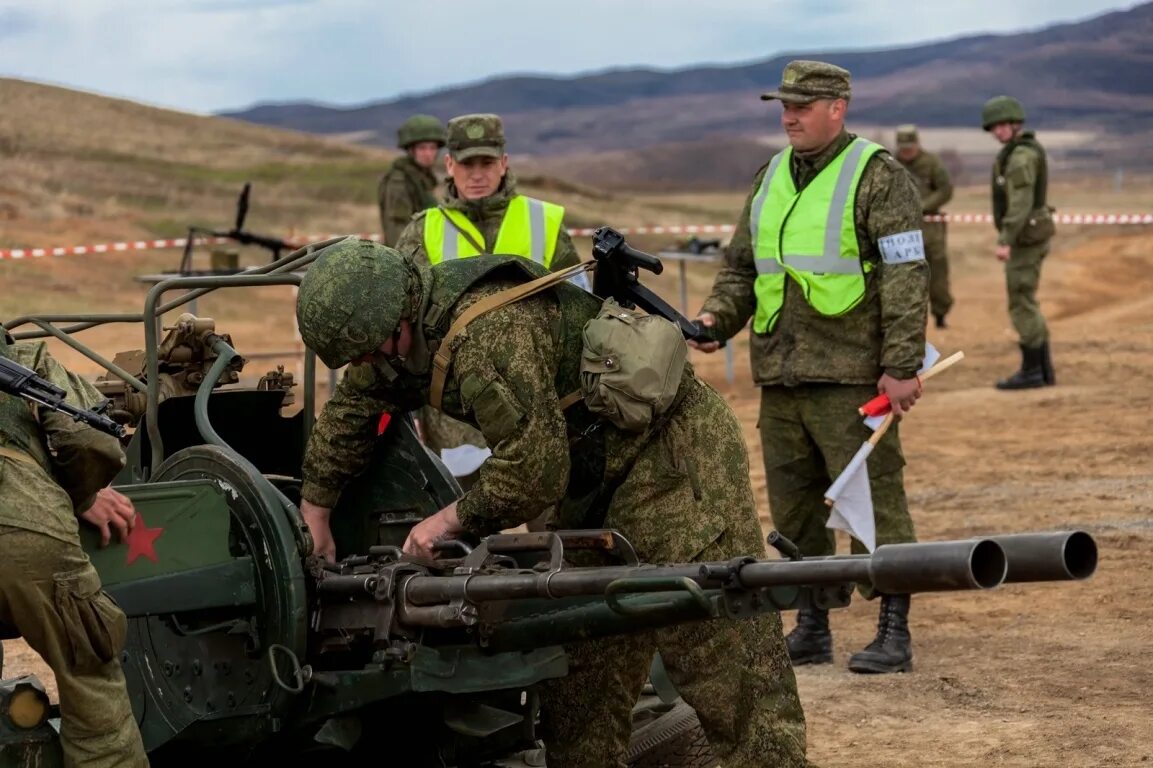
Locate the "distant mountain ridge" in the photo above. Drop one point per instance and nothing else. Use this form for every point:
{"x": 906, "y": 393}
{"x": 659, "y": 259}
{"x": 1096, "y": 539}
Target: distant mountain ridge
{"x": 1089, "y": 74}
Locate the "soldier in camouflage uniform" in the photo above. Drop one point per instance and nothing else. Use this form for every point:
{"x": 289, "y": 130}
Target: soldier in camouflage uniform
{"x": 936, "y": 189}
{"x": 54, "y": 470}
{"x": 679, "y": 491}
{"x": 1024, "y": 223}
{"x": 481, "y": 193}
{"x": 409, "y": 185}
{"x": 835, "y": 280}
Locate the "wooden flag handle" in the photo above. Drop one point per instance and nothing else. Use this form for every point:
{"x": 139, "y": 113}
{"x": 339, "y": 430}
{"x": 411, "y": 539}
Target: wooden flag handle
{"x": 880, "y": 404}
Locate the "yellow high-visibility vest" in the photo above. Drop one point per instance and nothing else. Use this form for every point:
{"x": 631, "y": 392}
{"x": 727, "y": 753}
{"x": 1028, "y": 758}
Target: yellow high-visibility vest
{"x": 809, "y": 236}
{"x": 529, "y": 229}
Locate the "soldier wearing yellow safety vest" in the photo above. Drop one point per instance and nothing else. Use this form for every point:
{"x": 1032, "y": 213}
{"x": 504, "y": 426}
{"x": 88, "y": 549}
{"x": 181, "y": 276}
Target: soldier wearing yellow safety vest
{"x": 828, "y": 262}
{"x": 482, "y": 213}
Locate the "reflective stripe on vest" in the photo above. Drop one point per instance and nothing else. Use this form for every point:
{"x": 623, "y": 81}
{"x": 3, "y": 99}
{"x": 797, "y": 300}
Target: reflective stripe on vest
{"x": 529, "y": 229}
{"x": 810, "y": 236}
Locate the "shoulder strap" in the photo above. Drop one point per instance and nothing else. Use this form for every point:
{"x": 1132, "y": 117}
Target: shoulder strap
{"x": 443, "y": 358}
{"x": 452, "y": 225}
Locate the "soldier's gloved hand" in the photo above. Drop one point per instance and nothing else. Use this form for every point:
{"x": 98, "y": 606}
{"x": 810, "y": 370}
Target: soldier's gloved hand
{"x": 707, "y": 320}
{"x": 111, "y": 509}
{"x": 316, "y": 518}
{"x": 903, "y": 393}
{"x": 443, "y": 525}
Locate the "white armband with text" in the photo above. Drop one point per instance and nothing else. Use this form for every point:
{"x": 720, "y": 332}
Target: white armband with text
{"x": 903, "y": 247}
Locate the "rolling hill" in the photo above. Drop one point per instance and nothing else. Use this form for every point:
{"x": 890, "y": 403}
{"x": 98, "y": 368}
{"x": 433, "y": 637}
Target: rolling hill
{"x": 1088, "y": 75}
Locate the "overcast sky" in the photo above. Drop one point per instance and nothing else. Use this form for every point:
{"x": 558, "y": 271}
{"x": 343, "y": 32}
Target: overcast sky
{"x": 212, "y": 55}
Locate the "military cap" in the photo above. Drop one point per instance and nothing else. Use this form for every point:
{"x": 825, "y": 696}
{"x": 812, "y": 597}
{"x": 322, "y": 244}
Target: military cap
{"x": 475, "y": 136}
{"x": 803, "y": 82}
{"x": 907, "y": 135}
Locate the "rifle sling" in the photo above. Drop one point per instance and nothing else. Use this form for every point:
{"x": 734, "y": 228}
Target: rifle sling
{"x": 443, "y": 358}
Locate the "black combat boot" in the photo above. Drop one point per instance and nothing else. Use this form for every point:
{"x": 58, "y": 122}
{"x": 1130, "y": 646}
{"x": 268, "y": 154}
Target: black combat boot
{"x": 1047, "y": 365}
{"x": 810, "y": 642}
{"x": 940, "y": 321}
{"x": 891, "y": 650}
{"x": 1031, "y": 374}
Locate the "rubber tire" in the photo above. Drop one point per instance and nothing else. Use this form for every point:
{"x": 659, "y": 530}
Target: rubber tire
{"x": 674, "y": 739}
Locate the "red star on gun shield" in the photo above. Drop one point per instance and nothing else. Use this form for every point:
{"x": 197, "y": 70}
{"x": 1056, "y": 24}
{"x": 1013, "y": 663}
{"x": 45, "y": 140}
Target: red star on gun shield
{"x": 141, "y": 540}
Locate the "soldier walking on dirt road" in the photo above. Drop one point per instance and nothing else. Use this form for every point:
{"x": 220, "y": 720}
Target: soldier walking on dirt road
{"x": 827, "y": 260}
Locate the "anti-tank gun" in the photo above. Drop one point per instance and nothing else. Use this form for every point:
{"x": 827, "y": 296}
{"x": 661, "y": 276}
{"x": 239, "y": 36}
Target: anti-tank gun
{"x": 243, "y": 647}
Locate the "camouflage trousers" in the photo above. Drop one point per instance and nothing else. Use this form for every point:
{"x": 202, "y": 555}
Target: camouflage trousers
{"x": 936, "y": 254}
{"x": 686, "y": 498}
{"x": 51, "y": 594}
{"x": 1022, "y": 276}
{"x": 808, "y": 435}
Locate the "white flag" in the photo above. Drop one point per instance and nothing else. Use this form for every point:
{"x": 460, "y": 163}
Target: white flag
{"x": 852, "y": 501}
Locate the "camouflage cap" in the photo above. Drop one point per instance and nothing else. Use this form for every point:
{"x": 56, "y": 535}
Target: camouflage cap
{"x": 803, "y": 82}
{"x": 475, "y": 135}
{"x": 351, "y": 299}
{"x": 907, "y": 135}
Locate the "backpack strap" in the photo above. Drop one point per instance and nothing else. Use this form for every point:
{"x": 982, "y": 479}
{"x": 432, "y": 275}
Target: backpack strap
{"x": 443, "y": 358}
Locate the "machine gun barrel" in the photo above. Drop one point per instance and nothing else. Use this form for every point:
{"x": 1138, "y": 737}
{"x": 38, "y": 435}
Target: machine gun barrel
{"x": 15, "y": 379}
{"x": 893, "y": 568}
{"x": 1056, "y": 556}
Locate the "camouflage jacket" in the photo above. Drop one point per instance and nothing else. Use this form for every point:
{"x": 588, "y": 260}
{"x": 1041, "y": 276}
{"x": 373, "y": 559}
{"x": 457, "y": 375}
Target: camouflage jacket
{"x": 885, "y": 333}
{"x": 53, "y": 465}
{"x": 932, "y": 180}
{"x": 405, "y": 189}
{"x": 487, "y": 214}
{"x": 1022, "y": 180}
{"x": 506, "y": 379}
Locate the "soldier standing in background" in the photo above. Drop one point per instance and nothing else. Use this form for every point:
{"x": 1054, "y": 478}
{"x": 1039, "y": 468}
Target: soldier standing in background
{"x": 409, "y": 185}
{"x": 936, "y": 189}
{"x": 679, "y": 490}
{"x": 827, "y": 261}
{"x": 482, "y": 213}
{"x": 54, "y": 471}
{"x": 1024, "y": 223}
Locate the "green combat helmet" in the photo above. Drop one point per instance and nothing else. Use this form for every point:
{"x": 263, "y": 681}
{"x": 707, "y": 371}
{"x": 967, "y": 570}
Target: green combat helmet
{"x": 420, "y": 128}
{"x": 347, "y": 278}
{"x": 1001, "y": 109}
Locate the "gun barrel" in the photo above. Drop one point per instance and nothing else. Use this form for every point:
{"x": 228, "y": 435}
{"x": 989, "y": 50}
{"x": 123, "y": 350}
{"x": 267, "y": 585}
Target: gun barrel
{"x": 893, "y": 568}
{"x": 1057, "y": 556}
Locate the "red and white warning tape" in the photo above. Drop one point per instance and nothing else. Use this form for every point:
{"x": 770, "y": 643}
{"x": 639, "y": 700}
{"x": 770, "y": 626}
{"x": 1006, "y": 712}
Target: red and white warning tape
{"x": 675, "y": 229}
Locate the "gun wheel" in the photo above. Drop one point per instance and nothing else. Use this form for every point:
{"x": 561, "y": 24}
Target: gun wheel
{"x": 671, "y": 737}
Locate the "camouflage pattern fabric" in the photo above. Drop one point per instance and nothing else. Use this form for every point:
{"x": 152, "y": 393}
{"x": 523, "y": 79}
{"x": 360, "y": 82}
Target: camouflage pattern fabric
{"x": 50, "y": 593}
{"x": 1019, "y": 179}
{"x": 475, "y": 135}
{"x": 808, "y": 436}
{"x": 440, "y": 431}
{"x": 885, "y": 333}
{"x": 44, "y": 494}
{"x": 1022, "y": 277}
{"x": 49, "y": 590}
{"x": 936, "y": 189}
{"x": 678, "y": 493}
{"x": 806, "y": 81}
{"x": 736, "y": 674}
{"x": 405, "y": 189}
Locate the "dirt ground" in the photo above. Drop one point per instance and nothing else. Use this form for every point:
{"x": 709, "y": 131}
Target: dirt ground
{"x": 1024, "y": 675}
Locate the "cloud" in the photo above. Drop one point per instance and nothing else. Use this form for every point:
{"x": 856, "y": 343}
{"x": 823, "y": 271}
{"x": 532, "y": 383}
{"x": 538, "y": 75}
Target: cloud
{"x": 209, "y": 55}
